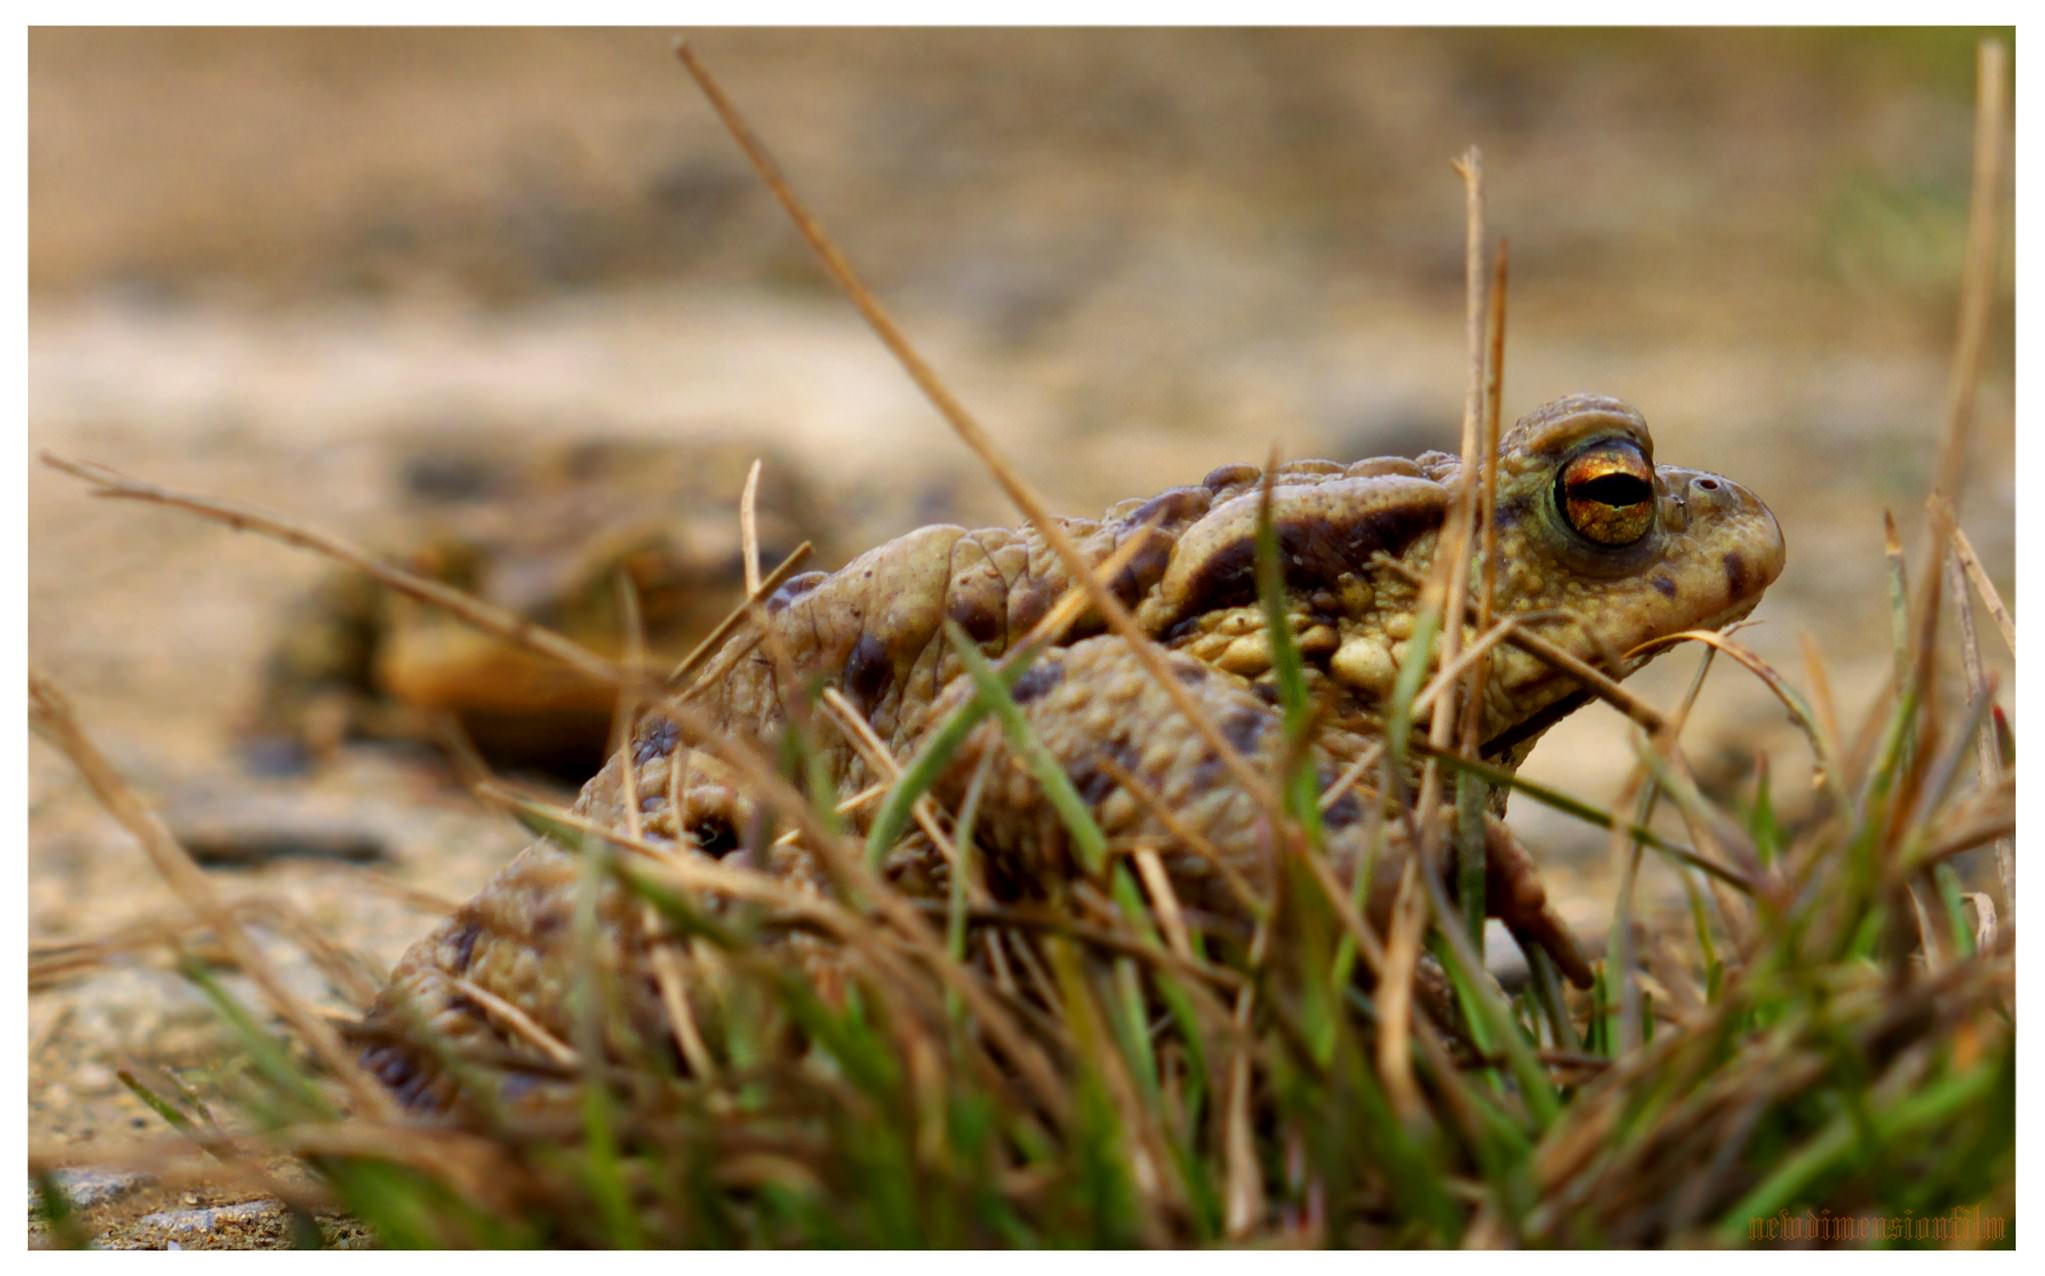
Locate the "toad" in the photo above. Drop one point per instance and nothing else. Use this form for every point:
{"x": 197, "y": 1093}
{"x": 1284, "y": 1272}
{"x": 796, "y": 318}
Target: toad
{"x": 1599, "y": 550}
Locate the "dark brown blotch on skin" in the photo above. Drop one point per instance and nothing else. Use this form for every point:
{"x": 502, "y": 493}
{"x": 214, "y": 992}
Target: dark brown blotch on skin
{"x": 1036, "y": 680}
{"x": 1313, "y": 551}
{"x": 1223, "y": 477}
{"x": 972, "y": 614}
{"x": 409, "y": 1083}
{"x": 1093, "y": 781}
{"x": 464, "y": 942}
{"x": 1243, "y": 728}
{"x": 1345, "y": 811}
{"x": 1735, "y": 575}
{"x": 1146, "y": 566}
{"x": 1191, "y": 675}
{"x": 517, "y": 1085}
{"x": 1663, "y": 584}
{"x": 793, "y": 588}
{"x": 549, "y": 922}
{"x": 657, "y": 739}
{"x": 1090, "y": 781}
{"x": 1128, "y": 586}
{"x": 1171, "y": 509}
{"x": 416, "y": 1094}
{"x": 868, "y": 672}
{"x": 1028, "y": 607}
{"x": 389, "y": 1064}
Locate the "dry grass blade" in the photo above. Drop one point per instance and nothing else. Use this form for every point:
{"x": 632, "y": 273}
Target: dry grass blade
{"x": 1170, "y": 917}
{"x": 1977, "y": 279}
{"x": 1399, "y": 964}
{"x": 975, "y": 437}
{"x": 749, "y": 528}
{"x": 50, "y": 713}
{"x": 860, "y": 732}
{"x": 1596, "y": 681}
{"x": 1800, "y": 712}
{"x": 1977, "y": 292}
{"x": 669, "y": 978}
{"x": 681, "y": 1016}
{"x": 1471, "y": 656}
{"x": 1447, "y": 593}
{"x": 689, "y": 873}
{"x": 210, "y": 1163}
{"x": 474, "y": 1165}
{"x": 891, "y": 819}
{"x": 1823, "y": 707}
{"x": 1977, "y": 575}
{"x": 848, "y": 867}
{"x": 1600, "y": 684}
{"x": 470, "y": 767}
{"x": 49, "y": 1030}
{"x": 1719, "y": 840}
{"x": 492, "y": 620}
{"x": 51, "y": 962}
{"x": 521, "y": 1024}
{"x": 1899, "y": 612}
{"x": 627, "y": 713}
{"x": 714, "y": 640}
{"x": 1244, "y": 1200}
{"x": 667, "y": 972}
{"x": 1193, "y": 839}
{"x": 1988, "y": 814}
{"x": 1597, "y": 817}
{"x": 1987, "y": 758}
{"x": 404, "y": 892}
{"x": 1487, "y": 499}
{"x": 1105, "y": 937}
{"x": 52, "y": 965}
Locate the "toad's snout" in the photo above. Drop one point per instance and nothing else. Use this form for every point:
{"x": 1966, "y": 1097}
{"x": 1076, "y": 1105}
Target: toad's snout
{"x": 1710, "y": 507}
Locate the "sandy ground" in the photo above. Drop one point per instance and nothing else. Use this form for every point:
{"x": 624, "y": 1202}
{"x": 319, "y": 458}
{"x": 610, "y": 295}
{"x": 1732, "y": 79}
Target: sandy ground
{"x": 259, "y": 260}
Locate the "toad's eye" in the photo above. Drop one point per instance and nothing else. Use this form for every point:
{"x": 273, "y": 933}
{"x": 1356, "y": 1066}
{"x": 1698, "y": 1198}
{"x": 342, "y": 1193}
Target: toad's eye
{"x": 1607, "y": 494}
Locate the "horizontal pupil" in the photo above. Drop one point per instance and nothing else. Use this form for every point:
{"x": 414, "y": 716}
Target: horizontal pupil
{"x": 1611, "y": 489}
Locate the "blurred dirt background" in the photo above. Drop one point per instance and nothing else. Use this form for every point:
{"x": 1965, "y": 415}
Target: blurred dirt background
{"x": 260, "y": 259}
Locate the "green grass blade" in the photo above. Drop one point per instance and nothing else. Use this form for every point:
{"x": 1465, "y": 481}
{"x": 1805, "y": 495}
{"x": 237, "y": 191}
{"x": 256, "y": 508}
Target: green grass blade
{"x": 1087, "y": 842}
{"x": 933, "y": 756}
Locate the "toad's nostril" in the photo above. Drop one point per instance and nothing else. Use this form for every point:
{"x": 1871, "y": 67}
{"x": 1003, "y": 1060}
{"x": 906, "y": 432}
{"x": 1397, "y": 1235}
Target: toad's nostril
{"x": 1709, "y": 485}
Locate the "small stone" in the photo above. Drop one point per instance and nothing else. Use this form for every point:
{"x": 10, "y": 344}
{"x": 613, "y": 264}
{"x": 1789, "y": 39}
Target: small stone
{"x": 86, "y": 1187}
{"x": 210, "y": 1218}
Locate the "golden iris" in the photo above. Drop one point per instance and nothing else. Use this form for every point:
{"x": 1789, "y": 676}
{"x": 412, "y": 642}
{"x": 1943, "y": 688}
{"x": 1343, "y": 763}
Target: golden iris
{"x": 1607, "y": 494}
